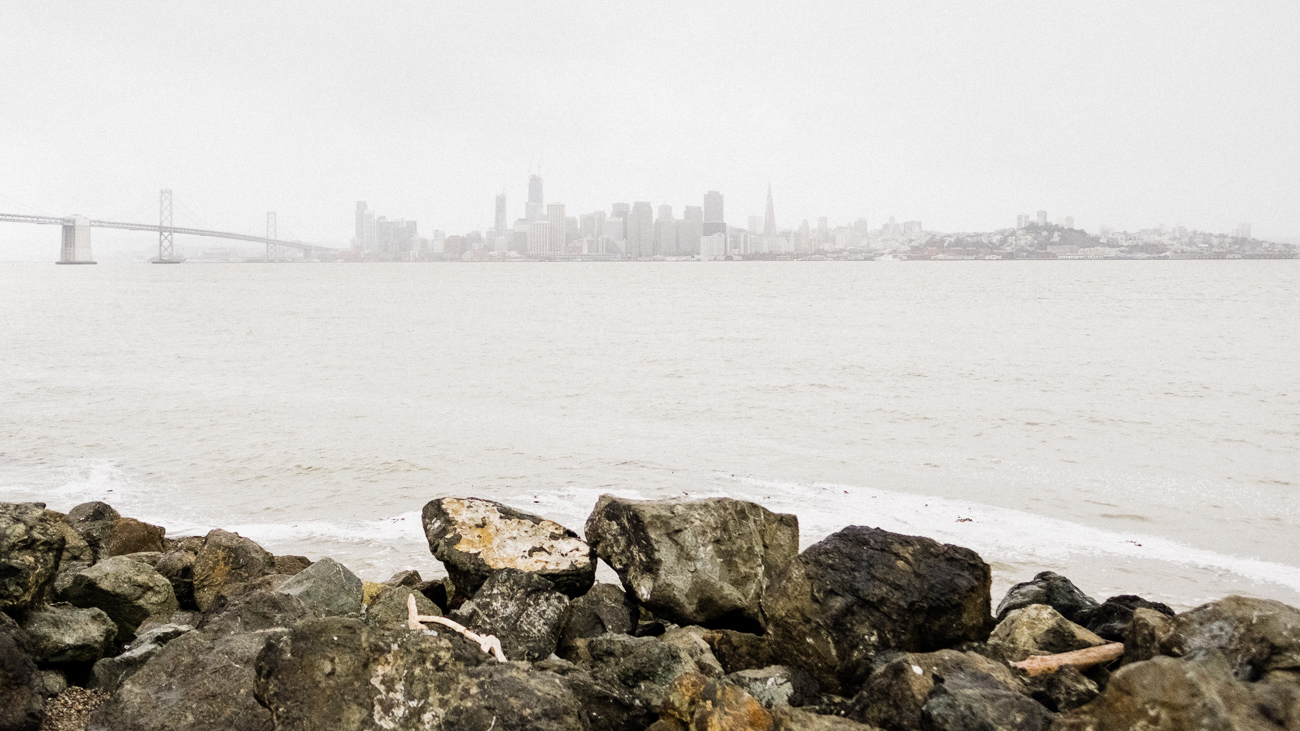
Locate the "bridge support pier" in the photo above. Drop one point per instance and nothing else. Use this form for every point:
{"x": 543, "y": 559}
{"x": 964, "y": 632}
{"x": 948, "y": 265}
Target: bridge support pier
{"x": 76, "y": 242}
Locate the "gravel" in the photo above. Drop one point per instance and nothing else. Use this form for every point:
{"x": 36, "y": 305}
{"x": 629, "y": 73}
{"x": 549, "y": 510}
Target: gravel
{"x": 71, "y": 709}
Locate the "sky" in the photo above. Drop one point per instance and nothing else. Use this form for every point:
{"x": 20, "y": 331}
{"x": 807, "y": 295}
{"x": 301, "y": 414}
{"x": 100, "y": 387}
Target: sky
{"x": 960, "y": 115}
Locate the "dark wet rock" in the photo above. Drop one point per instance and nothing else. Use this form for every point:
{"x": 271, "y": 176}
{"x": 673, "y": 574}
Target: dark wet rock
{"x": 22, "y": 689}
{"x": 177, "y": 565}
{"x": 1063, "y": 690}
{"x": 1039, "y": 630}
{"x": 701, "y": 562}
{"x": 952, "y": 708}
{"x": 31, "y": 545}
{"x": 128, "y": 591}
{"x": 407, "y": 577}
{"x": 196, "y": 682}
{"x": 521, "y": 609}
{"x": 109, "y": 673}
{"x": 1167, "y": 694}
{"x": 389, "y": 609}
{"x": 227, "y": 558}
{"x": 75, "y": 549}
{"x": 606, "y": 706}
{"x": 266, "y": 582}
{"x": 690, "y": 640}
{"x": 738, "y": 651}
{"x": 435, "y": 592}
{"x": 289, "y": 565}
{"x": 777, "y": 685}
{"x": 94, "y": 521}
{"x": 62, "y": 633}
{"x": 1146, "y": 633}
{"x": 1256, "y": 636}
{"x": 1111, "y": 618}
{"x": 254, "y": 611}
{"x": 797, "y": 719}
{"x": 864, "y": 590}
{"x": 644, "y": 666}
{"x": 1051, "y": 589}
{"x": 511, "y": 697}
{"x": 606, "y": 609}
{"x": 129, "y": 535}
{"x": 894, "y": 696}
{"x": 475, "y": 538}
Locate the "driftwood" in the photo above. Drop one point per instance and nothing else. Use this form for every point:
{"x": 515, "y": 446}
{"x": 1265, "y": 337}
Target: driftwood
{"x": 1086, "y": 658}
{"x": 487, "y": 643}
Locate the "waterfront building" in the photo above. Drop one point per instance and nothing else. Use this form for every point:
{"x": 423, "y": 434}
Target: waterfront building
{"x": 713, "y": 247}
{"x": 690, "y": 230}
{"x": 714, "y": 220}
{"x": 558, "y": 228}
{"x": 534, "y": 210}
{"x": 623, "y": 211}
{"x": 640, "y": 230}
{"x": 665, "y": 232}
{"x": 499, "y": 222}
{"x": 539, "y": 236}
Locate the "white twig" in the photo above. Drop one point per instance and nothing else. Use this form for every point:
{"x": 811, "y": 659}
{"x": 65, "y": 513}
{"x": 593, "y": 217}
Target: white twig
{"x": 487, "y": 643}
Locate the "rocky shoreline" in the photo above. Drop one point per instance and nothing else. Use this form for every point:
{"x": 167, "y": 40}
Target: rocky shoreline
{"x": 719, "y": 623}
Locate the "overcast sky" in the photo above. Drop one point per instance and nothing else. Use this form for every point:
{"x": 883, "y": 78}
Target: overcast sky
{"x": 960, "y": 115}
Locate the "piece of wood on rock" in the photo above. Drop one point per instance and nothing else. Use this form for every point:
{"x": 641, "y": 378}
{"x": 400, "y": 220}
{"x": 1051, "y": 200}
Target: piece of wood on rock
{"x": 521, "y": 609}
{"x": 475, "y": 538}
{"x": 699, "y": 562}
{"x": 864, "y": 590}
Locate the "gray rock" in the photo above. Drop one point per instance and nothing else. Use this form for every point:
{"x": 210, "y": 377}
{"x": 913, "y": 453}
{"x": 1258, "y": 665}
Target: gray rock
{"x": 128, "y": 591}
{"x": 894, "y": 695}
{"x": 327, "y": 588}
{"x": 1039, "y": 630}
{"x": 1256, "y": 636}
{"x": 701, "y": 562}
{"x": 94, "y": 521}
{"x": 196, "y": 682}
{"x": 388, "y": 610}
{"x": 475, "y": 538}
{"x": 407, "y": 577}
{"x": 129, "y": 535}
{"x": 1063, "y": 690}
{"x": 31, "y": 545}
{"x": 643, "y": 666}
{"x": 1147, "y": 632}
{"x": 75, "y": 548}
{"x": 251, "y": 612}
{"x": 109, "y": 673}
{"x": 777, "y": 685}
{"x": 1051, "y": 589}
{"x": 984, "y": 709}
{"x": 1112, "y": 617}
{"x": 606, "y": 706}
{"x": 226, "y": 558}
{"x": 54, "y": 681}
{"x": 510, "y": 697}
{"x": 62, "y": 633}
{"x": 22, "y": 689}
{"x": 177, "y": 565}
{"x": 690, "y": 640}
{"x": 605, "y": 609}
{"x": 862, "y": 591}
{"x": 522, "y": 609}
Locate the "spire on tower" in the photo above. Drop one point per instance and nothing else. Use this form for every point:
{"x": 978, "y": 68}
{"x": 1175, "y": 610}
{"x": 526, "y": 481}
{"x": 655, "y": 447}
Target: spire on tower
{"x": 769, "y": 221}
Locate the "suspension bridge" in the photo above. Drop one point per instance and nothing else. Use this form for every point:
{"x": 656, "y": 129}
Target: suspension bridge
{"x": 76, "y": 234}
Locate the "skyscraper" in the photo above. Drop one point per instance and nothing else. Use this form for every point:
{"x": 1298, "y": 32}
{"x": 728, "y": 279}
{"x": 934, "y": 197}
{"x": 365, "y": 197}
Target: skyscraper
{"x": 539, "y": 236}
{"x": 665, "y": 232}
{"x": 769, "y": 219}
{"x": 1042, "y": 218}
{"x": 640, "y": 230}
{"x": 690, "y": 230}
{"x": 361, "y": 223}
{"x": 535, "y": 209}
{"x": 714, "y": 221}
{"x": 558, "y": 229}
{"x": 500, "y": 223}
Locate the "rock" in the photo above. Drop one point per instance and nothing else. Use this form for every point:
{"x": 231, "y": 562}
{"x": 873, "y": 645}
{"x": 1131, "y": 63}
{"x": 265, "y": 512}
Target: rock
{"x": 435, "y": 592}
{"x": 109, "y": 673}
{"x": 389, "y": 609}
{"x": 327, "y": 588}
{"x": 128, "y": 591}
{"x": 226, "y": 558}
{"x": 408, "y": 577}
{"x": 289, "y": 565}
{"x": 54, "y": 682}
{"x": 511, "y": 697}
{"x": 31, "y": 545}
{"x": 62, "y": 633}
{"x": 1039, "y": 630}
{"x": 864, "y": 590}
{"x": 521, "y": 609}
{"x": 690, "y": 640}
{"x": 1111, "y": 618}
{"x": 981, "y": 709}
{"x": 148, "y": 558}
{"x": 1063, "y": 690}
{"x": 606, "y": 706}
{"x": 129, "y": 535}
{"x": 22, "y": 689}
{"x": 894, "y": 695}
{"x": 267, "y": 582}
{"x": 778, "y": 685}
{"x": 196, "y": 682}
{"x": 177, "y": 565}
{"x": 1146, "y": 633}
{"x": 1165, "y": 694}
{"x": 701, "y": 562}
{"x": 474, "y": 538}
{"x": 94, "y": 521}
{"x": 644, "y": 666}
{"x": 738, "y": 651}
{"x": 75, "y": 548}
{"x": 785, "y": 718}
{"x": 254, "y": 611}
{"x": 605, "y": 609}
{"x": 727, "y": 707}
{"x": 1256, "y": 636}
{"x": 1051, "y": 589}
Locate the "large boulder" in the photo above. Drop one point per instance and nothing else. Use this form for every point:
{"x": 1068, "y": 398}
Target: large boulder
{"x": 128, "y": 591}
{"x": 253, "y": 611}
{"x": 1039, "y": 630}
{"x": 976, "y": 708}
{"x": 606, "y": 706}
{"x": 177, "y": 564}
{"x": 895, "y": 693}
{"x": 94, "y": 522}
{"x": 196, "y": 682}
{"x": 327, "y": 588}
{"x": 644, "y": 666}
{"x": 62, "y": 633}
{"x": 109, "y": 673}
{"x": 226, "y": 558}
{"x": 475, "y": 538}
{"x": 606, "y": 608}
{"x": 1258, "y": 637}
{"x": 1051, "y": 589}
{"x": 700, "y": 562}
{"x": 133, "y": 536}
{"x": 22, "y": 689}
{"x": 523, "y": 610}
{"x": 1111, "y": 619}
{"x": 31, "y": 545}
{"x": 864, "y": 590}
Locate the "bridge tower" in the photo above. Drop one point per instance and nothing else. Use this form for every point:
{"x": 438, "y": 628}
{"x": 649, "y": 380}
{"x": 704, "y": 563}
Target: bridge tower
{"x": 166, "y": 251}
{"x": 271, "y": 234}
{"x": 76, "y": 241}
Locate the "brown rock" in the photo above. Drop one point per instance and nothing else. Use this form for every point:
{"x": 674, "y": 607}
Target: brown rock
{"x": 227, "y": 558}
{"x": 133, "y": 536}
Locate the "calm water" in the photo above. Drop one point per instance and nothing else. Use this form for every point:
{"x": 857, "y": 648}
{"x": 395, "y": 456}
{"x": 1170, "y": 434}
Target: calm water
{"x": 1134, "y": 425}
